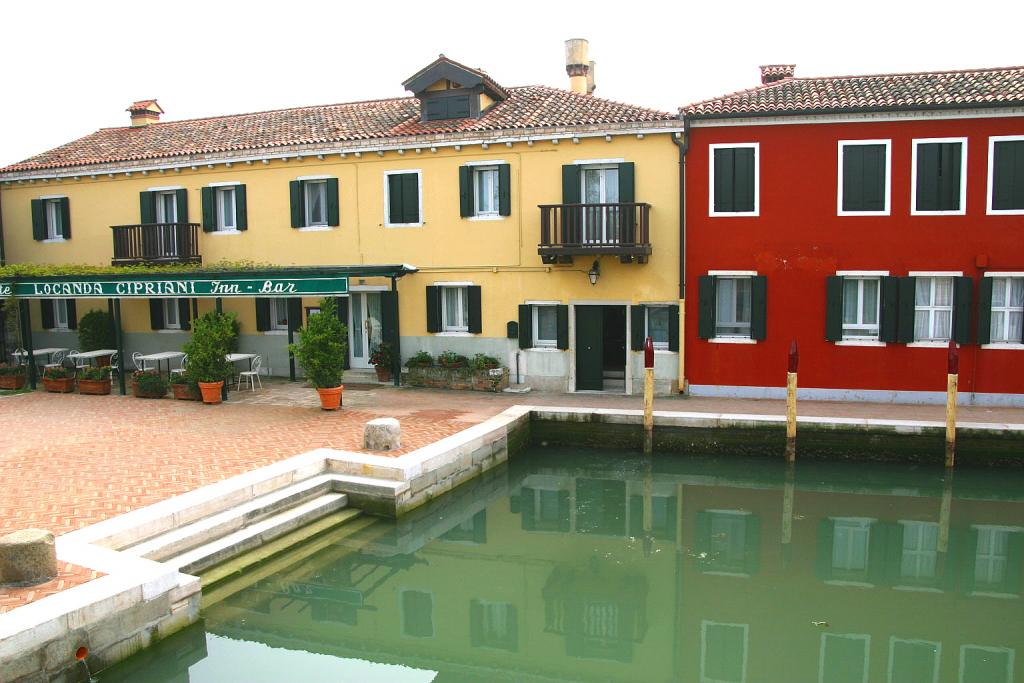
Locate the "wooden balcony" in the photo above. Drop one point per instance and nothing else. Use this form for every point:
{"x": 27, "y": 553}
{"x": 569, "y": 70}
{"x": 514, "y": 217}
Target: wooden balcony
{"x": 156, "y": 243}
{"x": 568, "y": 230}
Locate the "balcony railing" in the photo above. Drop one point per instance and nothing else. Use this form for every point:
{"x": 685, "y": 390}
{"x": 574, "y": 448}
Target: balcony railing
{"x": 621, "y": 229}
{"x": 156, "y": 243}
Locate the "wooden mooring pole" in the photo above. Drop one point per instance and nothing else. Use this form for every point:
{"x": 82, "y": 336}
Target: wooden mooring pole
{"x": 794, "y": 362}
{"x": 648, "y": 395}
{"x": 952, "y": 374}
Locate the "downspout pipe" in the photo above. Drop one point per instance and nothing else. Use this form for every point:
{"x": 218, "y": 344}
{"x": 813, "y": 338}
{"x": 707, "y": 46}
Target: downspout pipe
{"x": 683, "y": 147}
{"x": 3, "y": 253}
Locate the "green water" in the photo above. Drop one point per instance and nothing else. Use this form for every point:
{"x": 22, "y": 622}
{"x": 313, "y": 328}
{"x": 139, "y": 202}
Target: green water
{"x": 601, "y": 566}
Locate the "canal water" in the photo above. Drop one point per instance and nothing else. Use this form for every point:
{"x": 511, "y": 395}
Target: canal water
{"x": 604, "y": 566}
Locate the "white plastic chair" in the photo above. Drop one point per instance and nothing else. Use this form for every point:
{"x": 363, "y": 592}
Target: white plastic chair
{"x": 20, "y": 357}
{"x": 184, "y": 365}
{"x": 80, "y": 363}
{"x": 138, "y": 361}
{"x": 57, "y": 360}
{"x": 251, "y": 376}
{"x": 115, "y": 368}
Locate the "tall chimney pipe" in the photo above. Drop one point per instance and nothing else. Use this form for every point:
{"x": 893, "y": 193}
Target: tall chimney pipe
{"x": 577, "y": 64}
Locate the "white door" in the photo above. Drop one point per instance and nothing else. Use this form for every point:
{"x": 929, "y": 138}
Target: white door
{"x": 364, "y": 326}
{"x": 600, "y": 186}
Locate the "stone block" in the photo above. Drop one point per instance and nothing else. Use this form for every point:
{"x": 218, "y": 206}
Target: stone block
{"x": 382, "y": 434}
{"x": 27, "y": 557}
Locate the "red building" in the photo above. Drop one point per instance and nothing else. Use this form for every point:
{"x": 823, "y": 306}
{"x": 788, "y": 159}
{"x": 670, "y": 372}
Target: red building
{"x": 870, "y": 218}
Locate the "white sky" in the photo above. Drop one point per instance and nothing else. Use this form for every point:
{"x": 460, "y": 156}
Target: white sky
{"x": 73, "y": 67}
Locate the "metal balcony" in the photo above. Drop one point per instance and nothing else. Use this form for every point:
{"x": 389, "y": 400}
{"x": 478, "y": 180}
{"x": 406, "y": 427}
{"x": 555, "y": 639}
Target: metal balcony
{"x": 620, "y": 229}
{"x": 156, "y": 243}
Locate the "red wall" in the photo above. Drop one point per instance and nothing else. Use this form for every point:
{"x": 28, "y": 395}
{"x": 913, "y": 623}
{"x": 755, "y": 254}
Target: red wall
{"x": 798, "y": 240}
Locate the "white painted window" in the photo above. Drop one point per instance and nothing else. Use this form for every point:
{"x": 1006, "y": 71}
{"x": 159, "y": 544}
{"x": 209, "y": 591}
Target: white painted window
{"x": 861, "y": 307}
{"x": 226, "y": 218}
{"x": 657, "y": 320}
{"x": 933, "y": 309}
{"x": 868, "y": 193}
{"x": 54, "y": 221}
{"x": 843, "y": 658}
{"x": 454, "y": 309}
{"x": 723, "y": 652}
{"x": 315, "y": 202}
{"x": 734, "y": 179}
{"x": 166, "y": 207}
{"x": 1007, "y": 310}
{"x": 172, "y": 321}
{"x": 938, "y": 184}
{"x": 417, "y": 614}
{"x": 732, "y": 306}
{"x": 485, "y": 190}
{"x": 920, "y": 550}
{"x": 914, "y": 661}
{"x": 279, "y": 314}
{"x": 1006, "y": 175}
{"x": 980, "y": 664}
{"x": 60, "y": 314}
{"x": 600, "y": 185}
{"x": 991, "y": 556}
{"x": 545, "y": 326}
{"x": 850, "y": 544}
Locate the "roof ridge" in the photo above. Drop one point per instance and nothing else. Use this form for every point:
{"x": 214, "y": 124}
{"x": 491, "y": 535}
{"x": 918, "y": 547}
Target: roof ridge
{"x": 602, "y": 99}
{"x": 907, "y": 73}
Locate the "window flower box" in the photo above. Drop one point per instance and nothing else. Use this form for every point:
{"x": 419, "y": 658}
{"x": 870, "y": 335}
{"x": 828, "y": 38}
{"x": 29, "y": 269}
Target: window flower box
{"x": 12, "y": 377}
{"x": 59, "y": 380}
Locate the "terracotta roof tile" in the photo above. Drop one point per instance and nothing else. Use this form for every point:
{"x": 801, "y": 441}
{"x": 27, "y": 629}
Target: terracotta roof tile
{"x": 526, "y": 107}
{"x": 943, "y": 89}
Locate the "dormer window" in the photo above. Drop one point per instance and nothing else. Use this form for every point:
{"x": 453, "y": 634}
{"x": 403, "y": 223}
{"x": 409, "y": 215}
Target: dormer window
{"x": 449, "y": 90}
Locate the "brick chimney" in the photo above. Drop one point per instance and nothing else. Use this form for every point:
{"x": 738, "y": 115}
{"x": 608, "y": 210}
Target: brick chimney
{"x": 578, "y": 66}
{"x": 770, "y": 73}
{"x": 144, "y": 112}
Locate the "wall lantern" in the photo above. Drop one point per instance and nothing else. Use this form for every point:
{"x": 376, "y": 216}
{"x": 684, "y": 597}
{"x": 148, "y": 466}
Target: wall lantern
{"x": 594, "y": 272}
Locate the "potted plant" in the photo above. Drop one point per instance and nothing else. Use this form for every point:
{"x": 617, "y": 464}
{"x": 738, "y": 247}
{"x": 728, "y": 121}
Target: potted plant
{"x": 451, "y": 360}
{"x": 321, "y": 351}
{"x": 94, "y": 381}
{"x": 213, "y": 337}
{"x": 148, "y": 384}
{"x": 381, "y": 359}
{"x": 183, "y": 388}
{"x": 484, "y": 362}
{"x": 59, "y": 380}
{"x": 96, "y": 331}
{"x": 12, "y": 376}
{"x": 421, "y": 359}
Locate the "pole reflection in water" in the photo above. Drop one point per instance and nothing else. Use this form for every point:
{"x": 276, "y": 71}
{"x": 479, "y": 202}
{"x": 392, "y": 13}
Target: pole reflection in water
{"x": 607, "y": 566}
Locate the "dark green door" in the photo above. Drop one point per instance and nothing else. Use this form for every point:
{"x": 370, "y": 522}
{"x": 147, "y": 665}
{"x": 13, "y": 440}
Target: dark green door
{"x": 589, "y": 348}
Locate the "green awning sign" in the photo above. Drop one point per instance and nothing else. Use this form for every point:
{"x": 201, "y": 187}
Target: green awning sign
{"x": 178, "y": 287}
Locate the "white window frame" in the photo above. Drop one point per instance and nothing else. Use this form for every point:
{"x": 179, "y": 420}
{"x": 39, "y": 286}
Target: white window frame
{"x": 387, "y": 198}
{"x": 920, "y": 551}
{"x": 60, "y": 307}
{"x": 843, "y": 144}
{"x": 914, "y": 641}
{"x": 992, "y": 177}
{"x": 158, "y": 206}
{"x": 704, "y": 649}
{"x": 658, "y": 346}
{"x": 537, "y": 342}
{"x": 860, "y": 308}
{"x": 962, "y": 211}
{"x": 733, "y": 274}
{"x": 307, "y": 216}
{"x": 934, "y": 343}
{"x": 1012, "y": 346}
{"x": 54, "y": 229}
{"x": 463, "y": 297}
{"x": 866, "y": 638}
{"x": 218, "y": 192}
{"x": 274, "y": 326}
{"x": 984, "y": 648}
{"x": 171, "y": 306}
{"x": 756, "y": 146}
{"x": 475, "y": 172}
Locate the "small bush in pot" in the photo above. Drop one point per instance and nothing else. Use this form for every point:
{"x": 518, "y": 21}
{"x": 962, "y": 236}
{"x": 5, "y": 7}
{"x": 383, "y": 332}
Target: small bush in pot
{"x": 321, "y": 351}
{"x": 148, "y": 384}
{"x": 451, "y": 360}
{"x": 96, "y": 331}
{"x": 12, "y": 376}
{"x": 59, "y": 380}
{"x": 214, "y": 335}
{"x": 421, "y": 359}
{"x": 94, "y": 381}
{"x": 381, "y": 359}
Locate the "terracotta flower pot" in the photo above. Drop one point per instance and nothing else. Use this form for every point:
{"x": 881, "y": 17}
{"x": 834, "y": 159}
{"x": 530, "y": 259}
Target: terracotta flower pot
{"x": 64, "y": 385}
{"x": 184, "y": 392}
{"x": 210, "y": 391}
{"x": 94, "y": 387}
{"x": 383, "y": 373}
{"x": 330, "y": 399}
{"x": 12, "y": 381}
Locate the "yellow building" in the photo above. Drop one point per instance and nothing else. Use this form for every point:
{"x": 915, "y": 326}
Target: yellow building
{"x": 541, "y": 225}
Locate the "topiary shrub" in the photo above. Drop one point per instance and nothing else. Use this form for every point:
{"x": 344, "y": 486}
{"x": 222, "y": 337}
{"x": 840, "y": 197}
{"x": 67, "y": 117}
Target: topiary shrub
{"x": 322, "y": 347}
{"x": 96, "y": 331}
{"x": 213, "y": 338}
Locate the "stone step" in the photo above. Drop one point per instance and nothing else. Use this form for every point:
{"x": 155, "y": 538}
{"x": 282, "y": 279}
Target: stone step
{"x": 614, "y": 385}
{"x": 255, "y": 535}
{"x": 614, "y": 374}
{"x": 177, "y": 541}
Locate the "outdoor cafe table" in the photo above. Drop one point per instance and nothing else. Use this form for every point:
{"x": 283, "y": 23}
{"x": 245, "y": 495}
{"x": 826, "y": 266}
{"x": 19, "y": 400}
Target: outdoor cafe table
{"x": 235, "y": 357}
{"x": 38, "y": 352}
{"x": 162, "y": 356}
{"x": 91, "y": 356}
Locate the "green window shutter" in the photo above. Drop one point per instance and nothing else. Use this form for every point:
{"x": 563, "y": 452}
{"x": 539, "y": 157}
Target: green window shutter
{"x": 752, "y": 546}
{"x": 333, "y": 206}
{"x": 877, "y": 545}
{"x": 183, "y": 314}
{"x": 627, "y": 182}
{"x": 562, "y": 325}
{"x": 525, "y": 326}
{"x": 208, "y": 200}
{"x": 853, "y": 178}
{"x": 826, "y": 536}
{"x": 476, "y": 623}
{"x": 888, "y": 328}
{"x": 758, "y": 307}
{"x": 706, "y": 307}
{"x": 833, "y": 308}
{"x": 65, "y": 218}
{"x": 475, "y": 322}
{"x": 147, "y": 207}
{"x": 927, "y": 177}
{"x": 395, "y": 199}
{"x": 241, "y": 208}
{"x": 297, "y": 204}
{"x": 637, "y": 314}
{"x": 969, "y": 559}
{"x": 410, "y": 198}
{"x": 389, "y": 327}
{"x": 905, "y": 324}
{"x": 38, "y": 220}
{"x": 504, "y": 190}
{"x": 72, "y": 314}
{"x": 893, "y": 554}
{"x": 528, "y": 520}
{"x": 1008, "y": 175}
{"x": 465, "y": 191}
{"x": 724, "y": 161}
{"x": 985, "y": 310}
{"x": 1014, "y": 563}
{"x": 294, "y": 313}
{"x": 963, "y": 288}
{"x": 949, "y": 188}
{"x": 673, "y": 327}
{"x": 262, "y": 315}
{"x": 873, "y": 197}
{"x": 181, "y": 200}
{"x": 156, "y": 314}
{"x": 938, "y": 176}
{"x": 570, "y": 184}
{"x": 46, "y": 310}
{"x": 563, "y": 511}
{"x": 433, "y": 308}
{"x": 743, "y": 180}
